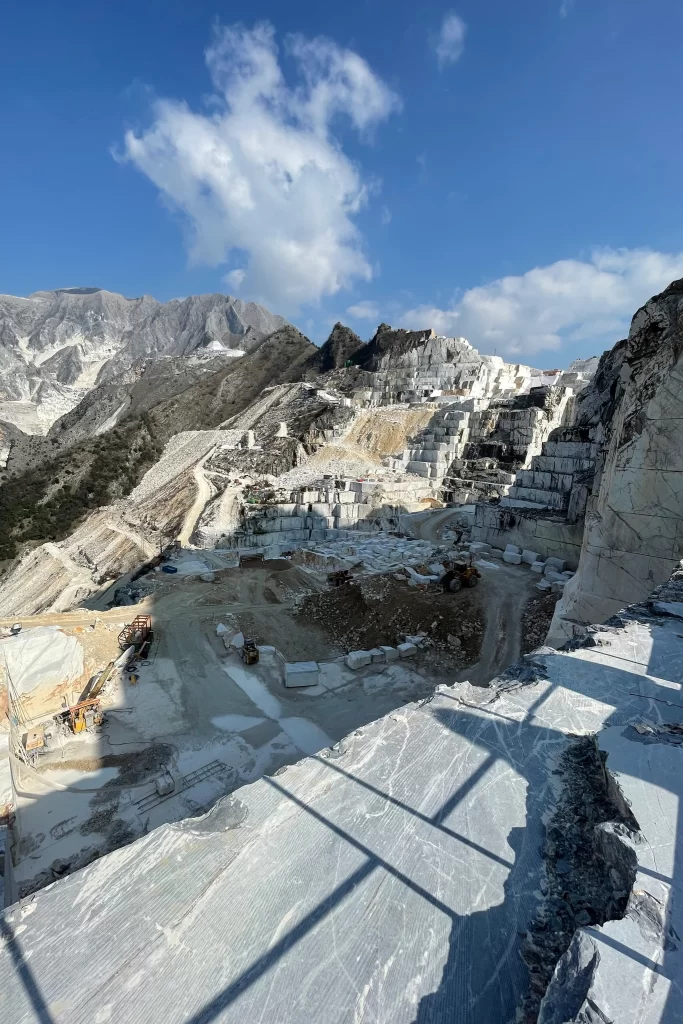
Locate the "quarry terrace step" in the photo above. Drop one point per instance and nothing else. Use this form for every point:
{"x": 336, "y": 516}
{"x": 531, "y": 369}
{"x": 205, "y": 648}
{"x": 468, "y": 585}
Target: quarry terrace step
{"x": 561, "y": 482}
{"x": 549, "y": 499}
{"x": 561, "y": 464}
{"x": 511, "y": 502}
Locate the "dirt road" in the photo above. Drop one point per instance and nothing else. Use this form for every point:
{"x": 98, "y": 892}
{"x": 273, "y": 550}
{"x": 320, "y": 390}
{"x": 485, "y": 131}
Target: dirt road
{"x": 508, "y": 588}
{"x": 429, "y": 525}
{"x": 204, "y": 493}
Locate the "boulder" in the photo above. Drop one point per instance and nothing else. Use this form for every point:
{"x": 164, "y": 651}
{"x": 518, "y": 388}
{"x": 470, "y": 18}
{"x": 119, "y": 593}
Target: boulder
{"x": 390, "y": 653}
{"x": 512, "y": 557}
{"x": 358, "y": 659}
{"x": 302, "y": 673}
{"x": 406, "y": 650}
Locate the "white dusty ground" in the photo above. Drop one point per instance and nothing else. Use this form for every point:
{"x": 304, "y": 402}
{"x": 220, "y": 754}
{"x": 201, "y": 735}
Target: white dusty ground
{"x": 204, "y": 705}
{"x": 196, "y": 704}
{"x": 393, "y": 880}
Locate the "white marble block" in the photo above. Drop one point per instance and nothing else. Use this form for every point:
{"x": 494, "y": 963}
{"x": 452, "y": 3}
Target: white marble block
{"x": 358, "y": 659}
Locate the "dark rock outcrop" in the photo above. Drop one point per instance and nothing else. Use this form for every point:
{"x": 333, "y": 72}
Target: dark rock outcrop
{"x": 342, "y": 345}
{"x": 386, "y": 341}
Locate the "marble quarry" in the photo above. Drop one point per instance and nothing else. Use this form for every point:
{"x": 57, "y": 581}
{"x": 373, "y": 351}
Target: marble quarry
{"x": 422, "y": 366}
{"x": 474, "y": 447}
{"x": 545, "y": 505}
{"x": 491, "y": 853}
{"x": 489, "y": 425}
{"x": 314, "y": 514}
{"x": 494, "y": 853}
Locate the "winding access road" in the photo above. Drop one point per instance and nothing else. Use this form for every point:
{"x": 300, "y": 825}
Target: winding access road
{"x": 508, "y": 588}
{"x": 204, "y": 493}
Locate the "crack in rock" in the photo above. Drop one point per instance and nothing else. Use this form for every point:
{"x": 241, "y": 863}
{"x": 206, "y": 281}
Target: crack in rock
{"x": 589, "y": 874}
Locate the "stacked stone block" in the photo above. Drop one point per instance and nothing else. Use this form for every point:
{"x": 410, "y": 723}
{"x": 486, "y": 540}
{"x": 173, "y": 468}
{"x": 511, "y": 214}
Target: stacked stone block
{"x": 557, "y": 479}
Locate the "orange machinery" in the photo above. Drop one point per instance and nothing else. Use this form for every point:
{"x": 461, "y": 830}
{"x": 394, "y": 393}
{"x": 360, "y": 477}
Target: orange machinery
{"x": 136, "y": 632}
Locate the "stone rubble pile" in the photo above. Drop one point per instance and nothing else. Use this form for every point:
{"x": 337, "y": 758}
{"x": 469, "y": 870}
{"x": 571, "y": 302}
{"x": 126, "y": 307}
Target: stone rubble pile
{"x": 375, "y": 553}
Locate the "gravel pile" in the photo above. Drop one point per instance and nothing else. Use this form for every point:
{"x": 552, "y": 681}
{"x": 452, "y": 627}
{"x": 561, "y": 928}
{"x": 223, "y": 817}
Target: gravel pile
{"x": 379, "y": 609}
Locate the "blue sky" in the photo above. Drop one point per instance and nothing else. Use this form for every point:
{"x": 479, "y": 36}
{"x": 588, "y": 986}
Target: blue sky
{"x": 505, "y": 171}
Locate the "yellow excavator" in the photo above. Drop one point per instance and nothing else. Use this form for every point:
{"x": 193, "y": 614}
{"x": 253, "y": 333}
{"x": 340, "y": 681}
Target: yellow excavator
{"x": 458, "y": 575}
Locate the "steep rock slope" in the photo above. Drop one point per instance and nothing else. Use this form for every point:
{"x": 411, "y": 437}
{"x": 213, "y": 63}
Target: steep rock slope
{"x": 55, "y": 345}
{"x": 46, "y": 501}
{"x": 634, "y": 529}
{"x": 340, "y": 347}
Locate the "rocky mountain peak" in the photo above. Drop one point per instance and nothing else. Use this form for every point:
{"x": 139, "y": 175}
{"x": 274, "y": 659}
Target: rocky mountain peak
{"x": 56, "y": 345}
{"x": 342, "y": 345}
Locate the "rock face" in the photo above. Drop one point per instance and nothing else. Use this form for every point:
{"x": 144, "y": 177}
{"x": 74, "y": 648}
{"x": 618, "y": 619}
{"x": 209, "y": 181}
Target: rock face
{"x": 414, "y": 365}
{"x": 342, "y": 344}
{"x": 634, "y": 529}
{"x": 411, "y": 366}
{"x": 56, "y": 345}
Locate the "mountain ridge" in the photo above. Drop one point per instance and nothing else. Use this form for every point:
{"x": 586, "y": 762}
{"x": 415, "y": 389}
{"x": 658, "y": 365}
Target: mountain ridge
{"x": 57, "y": 345}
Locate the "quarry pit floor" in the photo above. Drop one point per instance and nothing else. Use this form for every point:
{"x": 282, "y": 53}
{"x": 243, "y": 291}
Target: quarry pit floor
{"x": 197, "y": 712}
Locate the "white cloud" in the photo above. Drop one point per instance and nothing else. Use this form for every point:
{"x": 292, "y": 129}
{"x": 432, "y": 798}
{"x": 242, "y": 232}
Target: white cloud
{"x": 451, "y": 40}
{"x": 385, "y": 215}
{"x": 235, "y": 279}
{"x": 364, "y": 311}
{"x": 555, "y": 306}
{"x": 566, "y": 7}
{"x": 262, "y": 172}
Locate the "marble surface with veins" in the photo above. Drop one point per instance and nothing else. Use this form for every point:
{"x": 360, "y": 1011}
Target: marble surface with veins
{"x": 389, "y": 880}
{"x": 634, "y": 528}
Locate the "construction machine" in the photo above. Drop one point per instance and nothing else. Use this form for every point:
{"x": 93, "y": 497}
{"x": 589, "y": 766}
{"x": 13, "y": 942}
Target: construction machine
{"x": 460, "y": 574}
{"x": 136, "y": 632}
{"x": 249, "y": 652}
{"x": 83, "y": 716}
